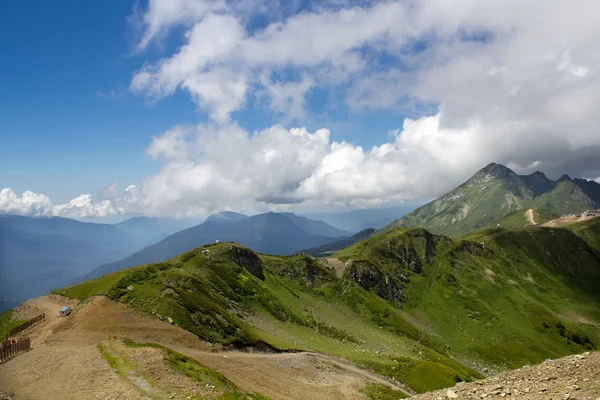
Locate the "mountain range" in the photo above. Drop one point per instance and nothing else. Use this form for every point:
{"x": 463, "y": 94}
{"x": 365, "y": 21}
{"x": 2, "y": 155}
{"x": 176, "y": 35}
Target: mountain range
{"x": 39, "y": 254}
{"x": 275, "y": 233}
{"x": 422, "y": 309}
{"x": 496, "y": 191}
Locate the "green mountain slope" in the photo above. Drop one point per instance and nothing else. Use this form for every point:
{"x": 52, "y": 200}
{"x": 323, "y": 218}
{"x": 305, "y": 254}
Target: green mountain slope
{"x": 496, "y": 191}
{"x": 420, "y": 308}
{"x": 502, "y": 297}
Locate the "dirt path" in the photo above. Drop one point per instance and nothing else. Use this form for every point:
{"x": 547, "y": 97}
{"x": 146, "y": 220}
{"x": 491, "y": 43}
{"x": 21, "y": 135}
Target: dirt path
{"x": 530, "y": 216}
{"x": 291, "y": 375}
{"x": 65, "y": 362}
{"x": 573, "y": 377}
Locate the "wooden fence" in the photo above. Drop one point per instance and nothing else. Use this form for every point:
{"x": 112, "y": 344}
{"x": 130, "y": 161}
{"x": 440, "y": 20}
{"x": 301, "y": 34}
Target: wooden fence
{"x": 12, "y": 347}
{"x": 27, "y": 324}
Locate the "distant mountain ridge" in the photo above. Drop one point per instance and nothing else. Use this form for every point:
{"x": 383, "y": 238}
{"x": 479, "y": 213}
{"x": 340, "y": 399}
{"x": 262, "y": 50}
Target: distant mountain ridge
{"x": 226, "y": 216}
{"x": 357, "y": 220}
{"x": 330, "y": 248}
{"x": 149, "y": 230}
{"x": 40, "y": 254}
{"x": 496, "y": 191}
{"x": 273, "y": 233}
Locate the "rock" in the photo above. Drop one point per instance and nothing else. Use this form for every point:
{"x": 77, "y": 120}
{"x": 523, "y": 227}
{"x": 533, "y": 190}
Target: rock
{"x": 130, "y": 288}
{"x": 247, "y": 259}
{"x": 170, "y": 320}
{"x": 451, "y": 394}
{"x": 369, "y": 276}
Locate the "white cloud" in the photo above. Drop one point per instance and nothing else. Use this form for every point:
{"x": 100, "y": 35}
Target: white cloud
{"x": 164, "y": 14}
{"x": 510, "y": 81}
{"x": 39, "y": 205}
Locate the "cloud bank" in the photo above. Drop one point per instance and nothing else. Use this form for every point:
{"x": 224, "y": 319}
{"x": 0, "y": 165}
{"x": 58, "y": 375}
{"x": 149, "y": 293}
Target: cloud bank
{"x": 509, "y": 81}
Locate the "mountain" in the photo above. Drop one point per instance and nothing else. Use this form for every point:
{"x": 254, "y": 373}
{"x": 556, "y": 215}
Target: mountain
{"x": 270, "y": 233}
{"x": 330, "y": 248}
{"x": 421, "y": 309}
{"x": 358, "y": 220}
{"x": 496, "y": 191}
{"x": 149, "y": 230}
{"x": 319, "y": 228}
{"x": 226, "y": 216}
{"x": 40, "y": 254}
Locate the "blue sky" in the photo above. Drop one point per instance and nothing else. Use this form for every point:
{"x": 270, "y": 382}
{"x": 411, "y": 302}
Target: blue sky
{"x": 69, "y": 123}
{"x": 186, "y": 107}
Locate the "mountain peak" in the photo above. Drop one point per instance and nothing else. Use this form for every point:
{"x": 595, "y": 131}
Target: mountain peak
{"x": 565, "y": 177}
{"x": 497, "y": 170}
{"x": 226, "y": 216}
{"x": 490, "y": 172}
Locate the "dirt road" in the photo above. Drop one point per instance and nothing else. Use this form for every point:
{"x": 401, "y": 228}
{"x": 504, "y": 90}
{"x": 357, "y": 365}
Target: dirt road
{"x": 65, "y": 362}
{"x": 530, "y": 216}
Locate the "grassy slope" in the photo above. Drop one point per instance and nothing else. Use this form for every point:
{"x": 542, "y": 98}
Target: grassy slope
{"x": 518, "y": 219}
{"x": 468, "y": 208}
{"x": 7, "y": 323}
{"x": 224, "y": 303}
{"x": 527, "y": 295}
{"x": 519, "y": 300}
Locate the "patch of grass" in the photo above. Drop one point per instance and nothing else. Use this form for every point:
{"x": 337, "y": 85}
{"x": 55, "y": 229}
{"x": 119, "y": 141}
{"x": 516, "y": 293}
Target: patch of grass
{"x": 114, "y": 362}
{"x": 376, "y": 391}
{"x": 7, "y": 323}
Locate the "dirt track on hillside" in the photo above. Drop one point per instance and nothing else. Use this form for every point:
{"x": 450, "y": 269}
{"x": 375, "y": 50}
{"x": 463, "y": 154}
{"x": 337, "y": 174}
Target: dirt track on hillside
{"x": 65, "y": 363}
{"x": 530, "y": 216}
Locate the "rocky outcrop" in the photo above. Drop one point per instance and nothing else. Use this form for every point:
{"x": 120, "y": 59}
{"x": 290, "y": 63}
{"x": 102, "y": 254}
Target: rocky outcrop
{"x": 247, "y": 259}
{"x": 370, "y": 277}
{"x": 307, "y": 268}
{"x": 424, "y": 241}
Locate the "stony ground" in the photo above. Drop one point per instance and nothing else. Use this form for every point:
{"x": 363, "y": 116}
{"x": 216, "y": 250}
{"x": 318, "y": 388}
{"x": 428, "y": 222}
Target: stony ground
{"x": 573, "y": 377}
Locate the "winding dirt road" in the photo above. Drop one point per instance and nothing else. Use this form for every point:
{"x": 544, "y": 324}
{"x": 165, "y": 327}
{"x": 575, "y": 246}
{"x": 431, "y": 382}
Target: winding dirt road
{"x": 65, "y": 362}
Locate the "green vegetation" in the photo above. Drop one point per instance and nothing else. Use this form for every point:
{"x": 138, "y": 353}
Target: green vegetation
{"x": 424, "y": 309}
{"x": 376, "y": 391}
{"x": 499, "y": 297}
{"x": 8, "y": 322}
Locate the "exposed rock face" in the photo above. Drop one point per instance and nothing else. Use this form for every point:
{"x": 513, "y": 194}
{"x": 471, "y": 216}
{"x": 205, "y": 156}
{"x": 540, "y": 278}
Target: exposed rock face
{"x": 477, "y": 249}
{"x": 368, "y": 276}
{"x": 246, "y": 258}
{"x": 425, "y": 241}
{"x": 305, "y": 267}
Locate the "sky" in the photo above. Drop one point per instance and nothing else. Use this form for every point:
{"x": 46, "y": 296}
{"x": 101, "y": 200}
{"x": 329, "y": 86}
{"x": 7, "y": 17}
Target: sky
{"x": 188, "y": 107}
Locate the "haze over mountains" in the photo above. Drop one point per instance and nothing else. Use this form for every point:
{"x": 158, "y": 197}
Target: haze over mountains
{"x": 274, "y": 233}
{"x": 496, "y": 191}
{"x": 39, "y": 254}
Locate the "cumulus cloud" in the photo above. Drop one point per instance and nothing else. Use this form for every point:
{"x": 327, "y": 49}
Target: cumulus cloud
{"x": 39, "y": 205}
{"x": 509, "y": 81}
{"x": 525, "y": 73}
